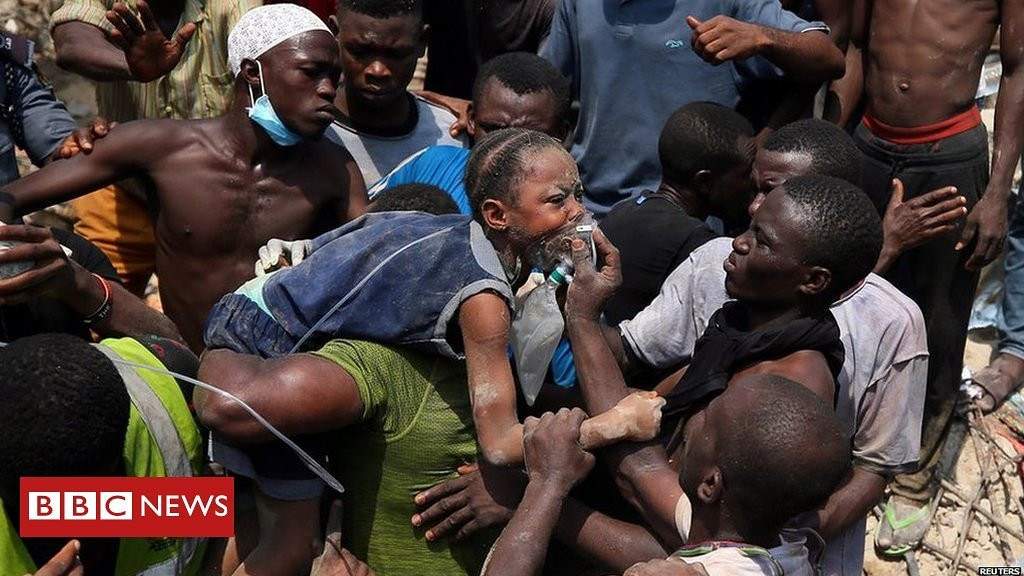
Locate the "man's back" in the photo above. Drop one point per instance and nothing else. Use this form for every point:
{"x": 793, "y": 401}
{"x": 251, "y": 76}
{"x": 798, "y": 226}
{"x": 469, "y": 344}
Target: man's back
{"x": 417, "y": 430}
{"x": 925, "y": 57}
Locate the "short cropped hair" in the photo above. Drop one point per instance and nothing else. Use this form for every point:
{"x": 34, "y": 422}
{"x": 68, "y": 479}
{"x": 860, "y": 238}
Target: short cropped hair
{"x": 525, "y": 73}
{"x": 414, "y": 196}
{"x": 499, "y": 162}
{"x": 382, "y": 9}
{"x": 703, "y": 136}
{"x": 64, "y": 413}
{"x": 841, "y": 228}
{"x": 832, "y": 151}
{"x": 785, "y": 455}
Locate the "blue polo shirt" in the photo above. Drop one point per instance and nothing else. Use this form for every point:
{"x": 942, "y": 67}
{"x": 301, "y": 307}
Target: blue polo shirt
{"x": 631, "y": 66}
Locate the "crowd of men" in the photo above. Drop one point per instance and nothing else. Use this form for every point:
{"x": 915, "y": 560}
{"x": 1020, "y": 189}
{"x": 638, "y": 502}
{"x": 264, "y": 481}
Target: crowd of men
{"x": 759, "y": 342}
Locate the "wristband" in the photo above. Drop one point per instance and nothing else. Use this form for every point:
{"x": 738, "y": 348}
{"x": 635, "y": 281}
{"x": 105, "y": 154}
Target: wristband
{"x": 103, "y": 312}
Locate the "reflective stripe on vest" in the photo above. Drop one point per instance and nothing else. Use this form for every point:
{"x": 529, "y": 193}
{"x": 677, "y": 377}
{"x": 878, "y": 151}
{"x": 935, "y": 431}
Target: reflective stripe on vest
{"x": 155, "y": 415}
{"x": 176, "y": 462}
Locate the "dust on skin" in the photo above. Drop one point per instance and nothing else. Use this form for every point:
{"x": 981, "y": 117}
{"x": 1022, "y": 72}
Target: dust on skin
{"x": 636, "y": 417}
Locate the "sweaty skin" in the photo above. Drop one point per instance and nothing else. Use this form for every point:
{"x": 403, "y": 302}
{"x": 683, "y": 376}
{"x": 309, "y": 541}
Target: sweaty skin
{"x": 925, "y": 57}
{"x": 923, "y": 61}
{"x": 222, "y": 188}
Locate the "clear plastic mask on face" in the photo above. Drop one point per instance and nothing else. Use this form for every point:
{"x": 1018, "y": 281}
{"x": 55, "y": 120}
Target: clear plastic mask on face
{"x": 547, "y": 253}
{"x": 263, "y": 114}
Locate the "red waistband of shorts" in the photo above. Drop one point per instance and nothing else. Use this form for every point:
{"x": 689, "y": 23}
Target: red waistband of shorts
{"x": 924, "y": 134}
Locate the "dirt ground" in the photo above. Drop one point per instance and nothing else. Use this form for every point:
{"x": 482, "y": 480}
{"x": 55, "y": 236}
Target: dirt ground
{"x": 985, "y": 544}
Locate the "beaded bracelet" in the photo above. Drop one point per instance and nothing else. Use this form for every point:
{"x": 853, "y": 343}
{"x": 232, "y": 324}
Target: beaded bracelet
{"x": 103, "y": 312}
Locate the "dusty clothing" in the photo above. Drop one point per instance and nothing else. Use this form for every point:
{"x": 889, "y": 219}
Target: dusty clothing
{"x": 789, "y": 558}
{"x": 416, "y": 430}
{"x": 377, "y": 156}
{"x": 392, "y": 277}
{"x": 933, "y": 275}
{"x": 881, "y": 384}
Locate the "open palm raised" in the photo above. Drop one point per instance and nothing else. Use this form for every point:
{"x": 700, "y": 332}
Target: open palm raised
{"x": 148, "y": 52}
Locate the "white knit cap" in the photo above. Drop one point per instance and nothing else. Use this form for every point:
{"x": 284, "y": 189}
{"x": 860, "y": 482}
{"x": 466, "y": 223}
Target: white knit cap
{"x": 262, "y": 28}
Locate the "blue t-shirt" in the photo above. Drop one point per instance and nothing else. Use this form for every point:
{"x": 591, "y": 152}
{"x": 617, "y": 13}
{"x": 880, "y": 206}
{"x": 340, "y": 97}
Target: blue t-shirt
{"x": 441, "y": 166}
{"x": 631, "y": 66}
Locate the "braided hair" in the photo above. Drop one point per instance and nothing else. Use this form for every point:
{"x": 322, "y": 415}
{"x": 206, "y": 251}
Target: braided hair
{"x": 498, "y": 164}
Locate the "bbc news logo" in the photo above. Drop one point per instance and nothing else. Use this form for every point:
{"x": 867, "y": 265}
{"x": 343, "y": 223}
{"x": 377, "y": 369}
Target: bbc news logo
{"x": 79, "y": 507}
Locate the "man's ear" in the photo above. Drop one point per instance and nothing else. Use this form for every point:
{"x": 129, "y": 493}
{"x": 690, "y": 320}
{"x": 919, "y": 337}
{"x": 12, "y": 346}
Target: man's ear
{"x": 494, "y": 214}
{"x": 816, "y": 281}
{"x": 702, "y": 183}
{"x": 251, "y": 74}
{"x": 471, "y": 120}
{"x": 709, "y": 491}
{"x": 332, "y": 24}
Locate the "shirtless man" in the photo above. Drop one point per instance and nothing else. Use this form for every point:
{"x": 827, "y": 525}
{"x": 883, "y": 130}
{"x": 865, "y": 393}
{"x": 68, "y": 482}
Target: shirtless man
{"x": 920, "y": 77}
{"x": 227, "y": 185}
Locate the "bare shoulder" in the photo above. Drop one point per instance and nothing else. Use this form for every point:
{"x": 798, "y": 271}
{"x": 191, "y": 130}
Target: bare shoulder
{"x": 806, "y": 367}
{"x": 146, "y": 142}
{"x": 168, "y": 135}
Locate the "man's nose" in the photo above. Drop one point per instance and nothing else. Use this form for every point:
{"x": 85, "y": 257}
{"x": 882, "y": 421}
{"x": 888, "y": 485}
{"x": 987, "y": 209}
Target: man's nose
{"x": 327, "y": 90}
{"x": 378, "y": 70}
{"x": 741, "y": 243}
{"x": 755, "y": 203}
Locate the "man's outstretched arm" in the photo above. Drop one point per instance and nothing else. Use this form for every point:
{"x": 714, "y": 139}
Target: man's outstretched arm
{"x": 136, "y": 48}
{"x": 641, "y": 470}
{"x": 126, "y": 151}
{"x": 809, "y": 57}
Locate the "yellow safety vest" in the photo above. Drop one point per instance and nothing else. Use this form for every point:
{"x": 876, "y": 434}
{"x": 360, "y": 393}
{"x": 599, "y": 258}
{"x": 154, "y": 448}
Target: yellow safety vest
{"x": 161, "y": 440}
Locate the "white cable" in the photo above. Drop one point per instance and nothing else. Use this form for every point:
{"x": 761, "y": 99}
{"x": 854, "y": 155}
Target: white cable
{"x": 308, "y": 460}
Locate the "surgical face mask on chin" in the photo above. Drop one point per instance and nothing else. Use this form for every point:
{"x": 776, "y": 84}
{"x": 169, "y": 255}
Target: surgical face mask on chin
{"x": 262, "y": 113}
